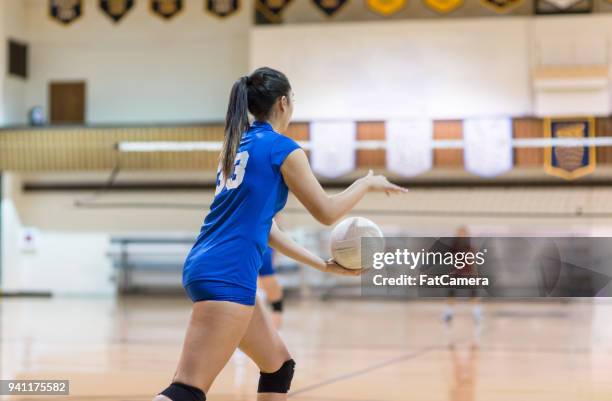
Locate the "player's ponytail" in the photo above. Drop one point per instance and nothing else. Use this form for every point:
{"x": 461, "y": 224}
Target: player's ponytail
{"x": 236, "y": 123}
{"x": 256, "y": 94}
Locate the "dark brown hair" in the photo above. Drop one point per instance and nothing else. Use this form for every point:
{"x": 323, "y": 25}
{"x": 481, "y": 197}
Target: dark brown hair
{"x": 255, "y": 93}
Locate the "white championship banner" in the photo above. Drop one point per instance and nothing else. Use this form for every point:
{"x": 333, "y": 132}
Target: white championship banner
{"x": 487, "y": 148}
{"x": 332, "y": 147}
{"x": 409, "y": 147}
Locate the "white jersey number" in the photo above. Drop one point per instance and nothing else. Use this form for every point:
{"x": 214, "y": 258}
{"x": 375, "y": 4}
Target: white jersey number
{"x": 237, "y": 176}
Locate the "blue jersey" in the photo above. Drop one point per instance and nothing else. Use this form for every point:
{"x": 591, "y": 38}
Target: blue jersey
{"x": 267, "y": 265}
{"x": 229, "y": 249}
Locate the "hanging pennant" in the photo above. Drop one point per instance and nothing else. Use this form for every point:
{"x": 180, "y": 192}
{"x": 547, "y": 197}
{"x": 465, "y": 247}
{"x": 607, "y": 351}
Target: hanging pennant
{"x": 222, "y": 8}
{"x": 385, "y": 7}
{"x": 563, "y": 6}
{"x": 409, "y": 147}
{"x": 569, "y": 162}
{"x": 501, "y": 6}
{"x": 166, "y": 8}
{"x": 65, "y": 11}
{"x": 329, "y": 7}
{"x": 116, "y": 9}
{"x": 332, "y": 147}
{"x": 487, "y": 146}
{"x": 272, "y": 9}
{"x": 443, "y": 6}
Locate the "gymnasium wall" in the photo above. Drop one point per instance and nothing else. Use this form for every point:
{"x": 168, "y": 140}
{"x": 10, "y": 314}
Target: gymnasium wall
{"x": 457, "y": 69}
{"x": 143, "y": 69}
{"x": 393, "y": 70}
{"x": 13, "y": 109}
{"x": 147, "y": 70}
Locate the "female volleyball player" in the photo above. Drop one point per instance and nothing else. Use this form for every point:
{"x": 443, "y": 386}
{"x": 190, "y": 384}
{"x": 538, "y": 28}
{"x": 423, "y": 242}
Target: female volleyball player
{"x": 257, "y": 166}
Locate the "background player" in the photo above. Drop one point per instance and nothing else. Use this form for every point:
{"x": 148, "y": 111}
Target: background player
{"x": 268, "y": 282}
{"x": 462, "y": 244}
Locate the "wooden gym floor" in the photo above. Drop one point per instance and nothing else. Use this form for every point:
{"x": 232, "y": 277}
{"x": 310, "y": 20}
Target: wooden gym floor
{"x": 126, "y": 350}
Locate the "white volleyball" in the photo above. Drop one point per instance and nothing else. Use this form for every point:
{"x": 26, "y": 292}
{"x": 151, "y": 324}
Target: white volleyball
{"x": 346, "y": 241}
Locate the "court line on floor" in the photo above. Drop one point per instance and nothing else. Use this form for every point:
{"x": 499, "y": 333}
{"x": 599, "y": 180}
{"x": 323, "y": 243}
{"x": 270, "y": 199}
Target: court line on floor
{"x": 365, "y": 370}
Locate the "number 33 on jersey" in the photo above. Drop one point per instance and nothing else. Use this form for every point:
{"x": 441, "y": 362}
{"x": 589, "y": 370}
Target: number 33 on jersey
{"x": 237, "y": 176}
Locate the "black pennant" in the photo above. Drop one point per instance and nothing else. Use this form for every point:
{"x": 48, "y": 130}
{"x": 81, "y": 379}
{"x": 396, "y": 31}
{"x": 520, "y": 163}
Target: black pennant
{"x": 65, "y": 11}
{"x": 222, "y": 8}
{"x": 330, "y": 7}
{"x": 501, "y": 6}
{"x": 116, "y": 9}
{"x": 272, "y": 9}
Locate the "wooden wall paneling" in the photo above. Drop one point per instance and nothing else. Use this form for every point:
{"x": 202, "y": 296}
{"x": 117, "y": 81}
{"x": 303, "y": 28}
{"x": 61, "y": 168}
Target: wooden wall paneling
{"x": 448, "y": 158}
{"x": 603, "y": 127}
{"x": 528, "y": 128}
{"x": 376, "y": 158}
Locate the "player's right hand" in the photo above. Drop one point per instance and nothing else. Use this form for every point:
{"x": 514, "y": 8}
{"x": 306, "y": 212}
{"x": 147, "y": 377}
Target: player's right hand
{"x": 382, "y": 184}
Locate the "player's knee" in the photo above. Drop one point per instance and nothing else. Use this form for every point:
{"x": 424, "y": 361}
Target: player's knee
{"x": 183, "y": 392}
{"x": 277, "y": 306}
{"x": 279, "y": 381}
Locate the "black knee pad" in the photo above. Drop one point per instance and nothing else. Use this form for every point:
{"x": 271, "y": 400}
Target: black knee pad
{"x": 277, "y": 306}
{"x": 183, "y": 392}
{"x": 279, "y": 381}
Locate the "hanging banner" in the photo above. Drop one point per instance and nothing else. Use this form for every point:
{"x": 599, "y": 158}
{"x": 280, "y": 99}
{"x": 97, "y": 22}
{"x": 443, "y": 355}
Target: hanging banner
{"x": 166, "y": 8}
{"x": 443, "y": 6}
{"x": 65, "y": 11}
{"x": 563, "y": 6}
{"x": 385, "y": 7}
{"x": 116, "y": 9}
{"x": 272, "y": 10}
{"x": 409, "y": 147}
{"x": 569, "y": 162}
{"x": 329, "y": 7}
{"x": 487, "y": 146}
{"x": 332, "y": 147}
{"x": 222, "y": 8}
{"x": 501, "y": 6}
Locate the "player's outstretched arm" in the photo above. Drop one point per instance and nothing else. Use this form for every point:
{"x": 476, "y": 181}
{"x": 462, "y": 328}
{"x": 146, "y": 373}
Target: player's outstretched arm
{"x": 284, "y": 244}
{"x": 325, "y": 208}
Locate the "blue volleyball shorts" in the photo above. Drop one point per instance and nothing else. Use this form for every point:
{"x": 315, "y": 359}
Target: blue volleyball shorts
{"x": 207, "y": 290}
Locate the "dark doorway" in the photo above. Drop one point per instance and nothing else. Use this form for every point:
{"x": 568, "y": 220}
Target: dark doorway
{"x": 67, "y": 102}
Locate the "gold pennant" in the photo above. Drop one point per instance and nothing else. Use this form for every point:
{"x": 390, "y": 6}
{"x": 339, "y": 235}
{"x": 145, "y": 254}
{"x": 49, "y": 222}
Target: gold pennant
{"x": 501, "y": 6}
{"x": 443, "y": 6}
{"x": 569, "y": 162}
{"x": 166, "y": 8}
{"x": 386, "y": 7}
{"x": 116, "y": 9}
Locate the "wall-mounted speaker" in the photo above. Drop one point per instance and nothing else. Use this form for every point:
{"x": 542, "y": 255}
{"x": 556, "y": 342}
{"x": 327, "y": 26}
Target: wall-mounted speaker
{"x": 18, "y": 59}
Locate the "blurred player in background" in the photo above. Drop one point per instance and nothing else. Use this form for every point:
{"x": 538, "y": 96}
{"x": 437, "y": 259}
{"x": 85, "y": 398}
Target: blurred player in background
{"x": 465, "y": 373}
{"x": 462, "y": 244}
{"x": 268, "y": 282}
